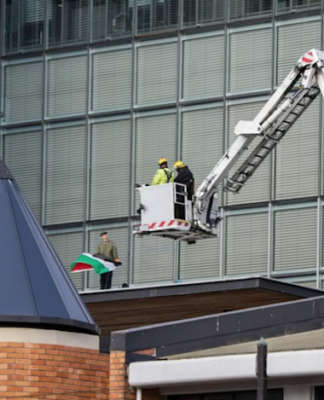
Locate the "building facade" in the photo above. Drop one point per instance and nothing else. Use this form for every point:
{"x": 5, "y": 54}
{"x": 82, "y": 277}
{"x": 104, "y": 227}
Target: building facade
{"x": 94, "y": 92}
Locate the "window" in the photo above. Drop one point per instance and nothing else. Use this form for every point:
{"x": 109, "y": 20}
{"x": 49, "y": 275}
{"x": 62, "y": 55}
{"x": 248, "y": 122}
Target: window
{"x": 68, "y": 22}
{"x": 24, "y": 21}
{"x": 112, "y": 19}
{"x": 295, "y": 5}
{"x": 241, "y": 9}
{"x": 202, "y": 12}
{"x": 155, "y": 15}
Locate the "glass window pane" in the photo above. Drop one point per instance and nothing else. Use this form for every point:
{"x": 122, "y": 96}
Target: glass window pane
{"x": 112, "y": 80}
{"x": 68, "y": 247}
{"x": 23, "y": 155}
{"x": 67, "y": 86}
{"x": 295, "y": 239}
{"x": 296, "y": 5}
{"x": 250, "y": 60}
{"x": 120, "y": 236}
{"x": 246, "y": 244}
{"x": 23, "y": 92}
{"x": 24, "y": 21}
{"x": 203, "y": 12}
{"x": 68, "y": 22}
{"x": 65, "y": 175}
{"x": 156, "y": 15}
{"x": 242, "y": 9}
{"x": 110, "y": 166}
{"x": 203, "y": 70}
{"x": 112, "y": 19}
{"x": 257, "y": 188}
{"x": 157, "y": 73}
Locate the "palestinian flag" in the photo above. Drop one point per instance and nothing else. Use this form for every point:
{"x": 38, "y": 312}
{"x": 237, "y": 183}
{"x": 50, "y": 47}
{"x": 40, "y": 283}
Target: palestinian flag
{"x": 88, "y": 262}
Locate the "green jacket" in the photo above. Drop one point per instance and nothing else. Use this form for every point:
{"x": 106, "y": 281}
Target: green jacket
{"x": 162, "y": 176}
{"x": 108, "y": 250}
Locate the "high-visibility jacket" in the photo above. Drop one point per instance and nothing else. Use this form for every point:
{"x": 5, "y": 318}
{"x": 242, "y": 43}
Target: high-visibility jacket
{"x": 163, "y": 175}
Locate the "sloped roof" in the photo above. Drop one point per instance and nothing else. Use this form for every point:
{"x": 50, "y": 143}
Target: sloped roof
{"x": 34, "y": 286}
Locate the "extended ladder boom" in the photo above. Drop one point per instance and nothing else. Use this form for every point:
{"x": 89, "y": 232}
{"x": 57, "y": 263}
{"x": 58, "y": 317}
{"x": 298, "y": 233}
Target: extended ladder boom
{"x": 272, "y": 123}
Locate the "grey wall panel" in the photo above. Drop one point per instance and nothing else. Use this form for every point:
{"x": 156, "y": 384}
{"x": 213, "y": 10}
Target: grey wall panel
{"x": 110, "y": 169}
{"x": 250, "y": 60}
{"x": 119, "y": 236}
{"x": 201, "y": 260}
{"x": 65, "y": 175}
{"x": 23, "y": 155}
{"x": 246, "y": 244}
{"x": 23, "y": 92}
{"x": 203, "y": 67}
{"x": 69, "y": 246}
{"x": 295, "y": 239}
{"x": 290, "y": 49}
{"x": 157, "y": 73}
{"x": 67, "y": 86}
{"x": 112, "y": 80}
{"x": 202, "y": 140}
{"x": 257, "y": 188}
{"x": 297, "y": 157}
{"x": 153, "y": 260}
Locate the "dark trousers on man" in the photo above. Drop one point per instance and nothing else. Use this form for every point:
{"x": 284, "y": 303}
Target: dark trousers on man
{"x": 105, "y": 280}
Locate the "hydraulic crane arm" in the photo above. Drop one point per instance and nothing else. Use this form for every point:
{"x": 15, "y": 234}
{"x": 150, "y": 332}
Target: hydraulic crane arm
{"x": 272, "y": 123}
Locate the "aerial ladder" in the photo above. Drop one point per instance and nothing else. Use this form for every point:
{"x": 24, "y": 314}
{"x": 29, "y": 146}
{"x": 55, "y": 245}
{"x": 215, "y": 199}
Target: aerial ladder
{"x": 160, "y": 204}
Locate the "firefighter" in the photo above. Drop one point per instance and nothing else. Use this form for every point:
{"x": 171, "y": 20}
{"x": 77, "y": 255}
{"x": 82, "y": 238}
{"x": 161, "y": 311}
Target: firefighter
{"x": 185, "y": 177}
{"x": 163, "y": 174}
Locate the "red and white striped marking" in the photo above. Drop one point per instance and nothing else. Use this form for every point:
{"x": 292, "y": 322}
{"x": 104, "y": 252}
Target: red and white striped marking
{"x": 308, "y": 57}
{"x": 173, "y": 223}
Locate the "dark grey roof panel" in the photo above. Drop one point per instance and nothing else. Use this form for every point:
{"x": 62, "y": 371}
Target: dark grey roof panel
{"x": 4, "y": 171}
{"x": 33, "y": 281}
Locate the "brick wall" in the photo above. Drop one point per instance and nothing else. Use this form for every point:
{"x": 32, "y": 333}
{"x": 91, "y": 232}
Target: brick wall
{"x": 42, "y": 371}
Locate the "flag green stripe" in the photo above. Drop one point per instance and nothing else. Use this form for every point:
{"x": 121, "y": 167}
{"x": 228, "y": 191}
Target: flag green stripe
{"x": 96, "y": 264}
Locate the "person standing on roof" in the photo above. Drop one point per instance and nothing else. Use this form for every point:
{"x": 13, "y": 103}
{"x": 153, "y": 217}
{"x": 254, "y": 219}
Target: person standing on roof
{"x": 163, "y": 174}
{"x": 108, "y": 250}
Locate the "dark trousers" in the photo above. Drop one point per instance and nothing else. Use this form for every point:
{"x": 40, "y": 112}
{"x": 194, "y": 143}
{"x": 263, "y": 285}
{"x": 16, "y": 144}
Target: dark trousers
{"x": 105, "y": 280}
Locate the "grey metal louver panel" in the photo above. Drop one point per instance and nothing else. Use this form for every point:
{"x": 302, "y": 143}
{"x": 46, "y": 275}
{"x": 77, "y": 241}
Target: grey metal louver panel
{"x": 110, "y": 166}
{"x": 120, "y": 237}
{"x": 295, "y": 239}
{"x": 157, "y": 73}
{"x": 23, "y": 156}
{"x": 203, "y": 71}
{"x": 250, "y": 60}
{"x": 23, "y": 92}
{"x": 290, "y": 49}
{"x": 68, "y": 247}
{"x": 112, "y": 80}
{"x": 310, "y": 282}
{"x": 201, "y": 260}
{"x": 297, "y": 157}
{"x": 67, "y": 86}
{"x": 202, "y": 130}
{"x": 257, "y": 188}
{"x": 153, "y": 260}
{"x": 65, "y": 174}
{"x": 246, "y": 244}
{"x": 156, "y": 137}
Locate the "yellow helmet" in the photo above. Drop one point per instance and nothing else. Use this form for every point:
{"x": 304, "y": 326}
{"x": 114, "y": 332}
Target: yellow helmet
{"x": 162, "y": 161}
{"x": 179, "y": 164}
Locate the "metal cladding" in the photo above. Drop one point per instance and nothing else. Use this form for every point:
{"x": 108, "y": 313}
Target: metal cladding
{"x": 35, "y": 289}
